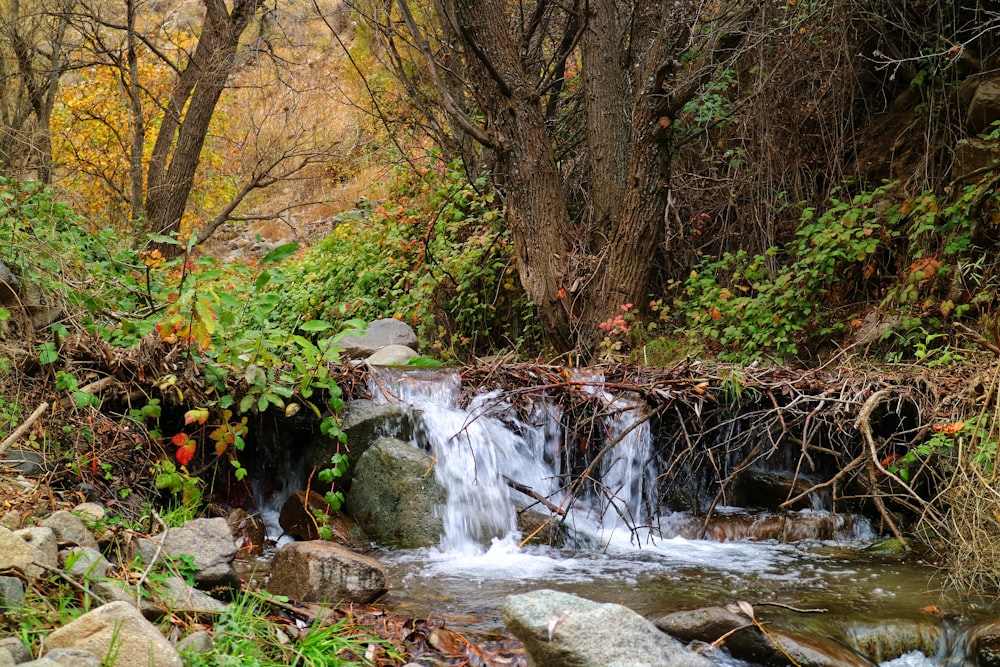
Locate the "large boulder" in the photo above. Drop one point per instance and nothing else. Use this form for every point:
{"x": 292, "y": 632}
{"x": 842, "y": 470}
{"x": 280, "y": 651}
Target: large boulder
{"x": 379, "y": 334}
{"x": 209, "y": 542}
{"x": 319, "y": 571}
{"x": 394, "y": 496}
{"x": 562, "y": 630}
{"x": 117, "y": 634}
{"x": 363, "y": 422}
{"x": 746, "y": 641}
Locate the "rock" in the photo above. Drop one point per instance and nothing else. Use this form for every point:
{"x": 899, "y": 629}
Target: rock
{"x": 24, "y": 460}
{"x": 562, "y": 630}
{"x": 174, "y": 595}
{"x": 554, "y": 533}
{"x": 973, "y": 154}
{"x": 11, "y": 593}
{"x": 765, "y": 489}
{"x": 72, "y": 657}
{"x": 748, "y": 643}
{"x": 208, "y": 541}
{"x": 984, "y": 107}
{"x": 889, "y": 640}
{"x": 11, "y": 520}
{"x": 394, "y": 496}
{"x": 70, "y": 528}
{"x": 16, "y": 649}
{"x": 986, "y": 644}
{"x": 363, "y": 422}
{"x": 248, "y": 531}
{"x": 90, "y": 512}
{"x": 6, "y": 659}
{"x": 44, "y": 541}
{"x": 380, "y": 333}
{"x": 199, "y": 641}
{"x": 391, "y": 355}
{"x": 319, "y": 571}
{"x": 117, "y": 634}
{"x": 301, "y": 523}
{"x": 18, "y": 555}
{"x": 85, "y": 563}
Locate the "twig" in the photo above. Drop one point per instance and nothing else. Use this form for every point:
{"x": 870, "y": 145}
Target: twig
{"x": 20, "y": 430}
{"x": 531, "y": 493}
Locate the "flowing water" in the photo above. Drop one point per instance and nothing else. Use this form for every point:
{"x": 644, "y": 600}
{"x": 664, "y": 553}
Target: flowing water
{"x": 627, "y": 548}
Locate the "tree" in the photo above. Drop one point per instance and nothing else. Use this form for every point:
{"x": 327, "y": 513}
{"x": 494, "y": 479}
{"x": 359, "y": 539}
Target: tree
{"x": 32, "y": 59}
{"x": 575, "y": 104}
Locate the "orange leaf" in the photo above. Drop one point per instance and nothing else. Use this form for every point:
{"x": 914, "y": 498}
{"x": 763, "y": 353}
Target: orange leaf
{"x": 180, "y": 439}
{"x": 199, "y": 415}
{"x": 934, "y": 609}
{"x": 186, "y": 453}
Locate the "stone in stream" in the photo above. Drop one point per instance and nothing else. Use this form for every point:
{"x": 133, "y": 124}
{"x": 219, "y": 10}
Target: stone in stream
{"x": 319, "y": 571}
{"x": 563, "y": 630}
{"x": 748, "y": 642}
{"x": 118, "y": 634}
{"x": 394, "y": 496}
{"x": 986, "y": 644}
{"x": 300, "y": 522}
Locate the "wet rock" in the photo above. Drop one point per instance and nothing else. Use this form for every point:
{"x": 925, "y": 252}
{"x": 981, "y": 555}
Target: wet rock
{"x": 890, "y": 640}
{"x": 747, "y": 642}
{"x": 542, "y": 530}
{"x": 16, "y": 554}
{"x": 562, "y": 630}
{"x": 380, "y": 333}
{"x": 394, "y": 496}
{"x": 117, "y": 632}
{"x": 783, "y": 527}
{"x": 363, "y": 422}
{"x": 300, "y": 522}
{"x": 321, "y": 571}
{"x": 765, "y": 489}
{"x": 68, "y": 527}
{"x": 986, "y": 644}
{"x": 248, "y": 531}
{"x": 985, "y": 106}
{"x": 208, "y": 541}
{"x": 391, "y": 355}
{"x": 44, "y": 541}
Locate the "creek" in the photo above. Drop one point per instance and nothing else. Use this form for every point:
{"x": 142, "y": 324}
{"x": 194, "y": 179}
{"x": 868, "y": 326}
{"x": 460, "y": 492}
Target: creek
{"x": 626, "y": 545}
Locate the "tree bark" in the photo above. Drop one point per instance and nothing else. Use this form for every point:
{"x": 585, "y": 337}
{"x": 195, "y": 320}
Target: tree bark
{"x": 177, "y": 150}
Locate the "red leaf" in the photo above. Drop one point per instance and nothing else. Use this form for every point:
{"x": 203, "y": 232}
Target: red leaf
{"x": 186, "y": 453}
{"x": 180, "y": 439}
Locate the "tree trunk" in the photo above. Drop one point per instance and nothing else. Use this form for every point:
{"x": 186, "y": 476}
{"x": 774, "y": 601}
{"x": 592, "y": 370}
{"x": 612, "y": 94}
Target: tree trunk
{"x": 177, "y": 150}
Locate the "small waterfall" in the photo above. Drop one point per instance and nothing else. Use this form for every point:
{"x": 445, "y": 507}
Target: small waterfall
{"x": 474, "y": 451}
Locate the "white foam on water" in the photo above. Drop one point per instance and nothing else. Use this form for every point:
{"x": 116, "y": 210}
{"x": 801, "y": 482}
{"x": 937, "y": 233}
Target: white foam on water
{"x": 912, "y": 659}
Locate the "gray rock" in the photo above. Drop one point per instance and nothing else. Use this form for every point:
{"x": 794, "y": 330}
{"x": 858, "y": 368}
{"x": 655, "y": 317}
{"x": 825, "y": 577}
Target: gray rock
{"x": 69, "y": 527}
{"x": 16, "y": 649}
{"x": 208, "y": 541}
{"x": 18, "y": 555}
{"x": 6, "y": 659}
{"x": 746, "y": 642}
{"x": 563, "y": 630}
{"x": 199, "y": 641}
{"x": 391, "y": 355}
{"x": 380, "y": 333}
{"x": 985, "y": 106}
{"x": 176, "y": 596}
{"x": 118, "y": 634}
{"x": 85, "y": 563}
{"x": 319, "y": 571}
{"x": 11, "y": 593}
{"x": 44, "y": 541}
{"x": 363, "y": 422}
{"x": 394, "y": 496}
{"x": 90, "y": 511}
{"x": 72, "y": 657}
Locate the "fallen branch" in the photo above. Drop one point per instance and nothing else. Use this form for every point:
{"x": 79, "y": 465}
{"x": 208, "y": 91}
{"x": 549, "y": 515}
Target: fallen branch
{"x": 20, "y": 430}
{"x": 531, "y": 493}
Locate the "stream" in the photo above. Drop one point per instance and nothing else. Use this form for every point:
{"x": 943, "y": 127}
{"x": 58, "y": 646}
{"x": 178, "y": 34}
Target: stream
{"x": 823, "y": 568}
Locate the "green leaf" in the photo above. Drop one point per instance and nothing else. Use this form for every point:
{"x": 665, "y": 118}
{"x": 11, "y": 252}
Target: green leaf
{"x": 315, "y": 325}
{"x": 160, "y": 238}
{"x": 280, "y": 253}
{"x": 424, "y": 362}
{"x": 246, "y": 403}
